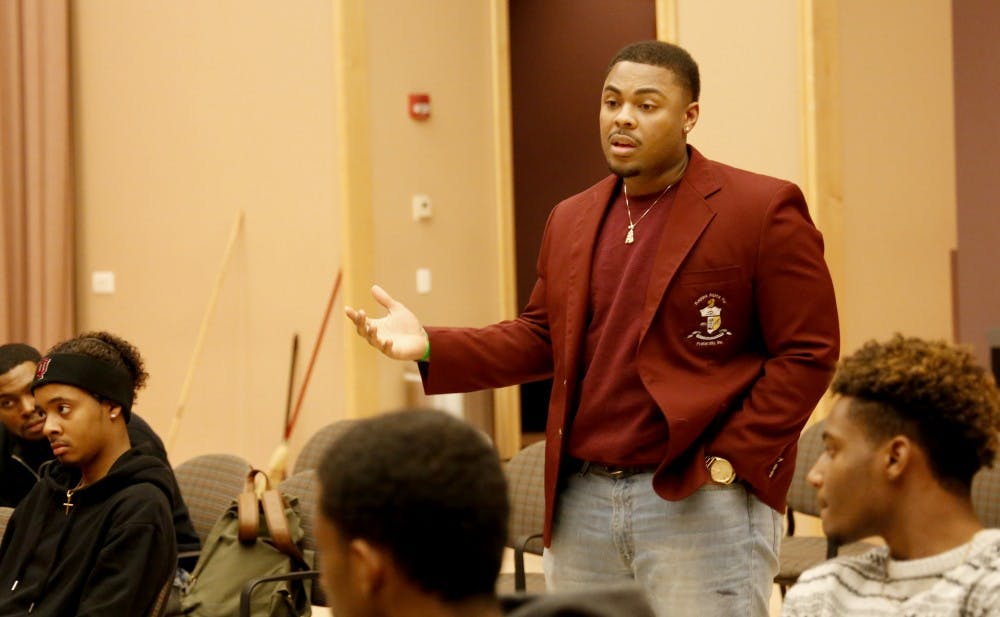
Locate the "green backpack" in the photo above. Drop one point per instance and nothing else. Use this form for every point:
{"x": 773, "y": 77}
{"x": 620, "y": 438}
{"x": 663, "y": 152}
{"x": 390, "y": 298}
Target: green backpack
{"x": 243, "y": 546}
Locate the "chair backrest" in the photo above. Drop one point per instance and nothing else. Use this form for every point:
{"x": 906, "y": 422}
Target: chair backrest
{"x": 526, "y": 487}
{"x": 4, "y": 517}
{"x": 305, "y": 487}
{"x": 801, "y": 494}
{"x": 209, "y": 483}
{"x": 316, "y": 446}
{"x": 986, "y": 495}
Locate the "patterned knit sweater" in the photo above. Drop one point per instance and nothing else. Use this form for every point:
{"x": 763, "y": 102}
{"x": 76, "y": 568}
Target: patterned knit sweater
{"x": 964, "y": 581}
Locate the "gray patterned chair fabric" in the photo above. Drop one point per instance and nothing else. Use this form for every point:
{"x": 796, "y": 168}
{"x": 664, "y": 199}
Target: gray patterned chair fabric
{"x": 304, "y": 486}
{"x": 209, "y": 483}
{"x": 799, "y": 553}
{"x": 526, "y": 487}
{"x": 986, "y": 495}
{"x": 316, "y": 446}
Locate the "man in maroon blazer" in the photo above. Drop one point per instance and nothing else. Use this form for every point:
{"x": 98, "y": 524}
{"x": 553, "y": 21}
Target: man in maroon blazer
{"x": 686, "y": 315}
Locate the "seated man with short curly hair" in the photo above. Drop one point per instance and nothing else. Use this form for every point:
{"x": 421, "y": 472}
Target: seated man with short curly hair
{"x": 914, "y": 423}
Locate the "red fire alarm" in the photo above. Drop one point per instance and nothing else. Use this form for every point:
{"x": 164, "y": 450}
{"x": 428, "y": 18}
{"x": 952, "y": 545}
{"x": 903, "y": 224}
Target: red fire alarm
{"x": 420, "y": 106}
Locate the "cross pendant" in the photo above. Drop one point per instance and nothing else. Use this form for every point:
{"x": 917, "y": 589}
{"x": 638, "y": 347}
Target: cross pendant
{"x": 69, "y": 501}
{"x": 630, "y": 236}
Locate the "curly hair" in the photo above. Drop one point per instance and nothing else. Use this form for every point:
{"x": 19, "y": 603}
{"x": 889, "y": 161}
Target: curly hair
{"x": 110, "y": 348}
{"x": 930, "y": 391}
{"x": 665, "y": 55}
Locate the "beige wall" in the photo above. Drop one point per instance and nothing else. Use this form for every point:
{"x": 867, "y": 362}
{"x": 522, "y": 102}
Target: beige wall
{"x": 751, "y": 82}
{"x": 188, "y": 112}
{"x": 440, "y": 47}
{"x": 898, "y": 160}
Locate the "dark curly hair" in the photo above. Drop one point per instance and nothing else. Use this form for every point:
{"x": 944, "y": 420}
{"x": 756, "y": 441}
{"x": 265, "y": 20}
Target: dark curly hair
{"x": 671, "y": 57}
{"x": 110, "y": 348}
{"x": 932, "y": 392}
{"x": 428, "y": 488}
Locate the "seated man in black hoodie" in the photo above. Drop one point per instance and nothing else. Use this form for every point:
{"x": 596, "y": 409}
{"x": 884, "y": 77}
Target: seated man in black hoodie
{"x": 95, "y": 535}
{"x": 23, "y": 446}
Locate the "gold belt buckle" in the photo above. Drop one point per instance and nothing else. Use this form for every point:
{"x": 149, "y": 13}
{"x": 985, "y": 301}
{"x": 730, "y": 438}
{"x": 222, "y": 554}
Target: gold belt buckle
{"x": 616, "y": 474}
{"x": 720, "y": 470}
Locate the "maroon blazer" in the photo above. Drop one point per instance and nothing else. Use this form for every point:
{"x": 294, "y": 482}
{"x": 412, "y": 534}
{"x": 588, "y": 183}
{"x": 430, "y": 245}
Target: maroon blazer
{"x": 739, "y": 332}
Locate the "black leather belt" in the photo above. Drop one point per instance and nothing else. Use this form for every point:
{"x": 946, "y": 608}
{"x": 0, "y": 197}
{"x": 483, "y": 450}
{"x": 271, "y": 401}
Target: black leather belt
{"x": 608, "y": 471}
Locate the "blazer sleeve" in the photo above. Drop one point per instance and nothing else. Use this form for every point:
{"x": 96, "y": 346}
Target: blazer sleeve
{"x": 503, "y": 354}
{"x": 797, "y": 313}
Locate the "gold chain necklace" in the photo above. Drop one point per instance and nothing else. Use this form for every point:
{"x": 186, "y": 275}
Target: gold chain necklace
{"x": 69, "y": 496}
{"x": 630, "y": 236}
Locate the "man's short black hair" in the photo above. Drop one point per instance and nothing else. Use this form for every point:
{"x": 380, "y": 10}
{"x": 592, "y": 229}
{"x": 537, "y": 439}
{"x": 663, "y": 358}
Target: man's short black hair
{"x": 429, "y": 489}
{"x": 666, "y": 55}
{"x": 15, "y": 354}
{"x": 934, "y": 393}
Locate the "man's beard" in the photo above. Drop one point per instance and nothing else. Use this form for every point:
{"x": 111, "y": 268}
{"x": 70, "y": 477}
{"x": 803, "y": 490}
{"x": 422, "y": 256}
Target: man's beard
{"x": 624, "y": 172}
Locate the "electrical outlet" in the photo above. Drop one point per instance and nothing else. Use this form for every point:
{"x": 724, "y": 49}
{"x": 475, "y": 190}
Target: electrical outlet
{"x": 102, "y": 282}
{"x": 421, "y": 207}
{"x": 423, "y": 280}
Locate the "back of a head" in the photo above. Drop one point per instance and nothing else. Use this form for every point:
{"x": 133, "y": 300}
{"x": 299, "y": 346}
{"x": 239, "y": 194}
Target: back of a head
{"x": 15, "y": 354}
{"x": 665, "y": 55}
{"x": 426, "y": 487}
{"x": 934, "y": 393}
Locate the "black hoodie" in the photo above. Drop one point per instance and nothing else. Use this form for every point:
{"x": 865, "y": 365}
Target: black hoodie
{"x": 20, "y": 460}
{"x": 110, "y": 556}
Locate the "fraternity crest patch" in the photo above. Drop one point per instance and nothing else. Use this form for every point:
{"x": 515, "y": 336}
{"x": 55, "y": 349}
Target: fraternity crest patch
{"x": 710, "y": 332}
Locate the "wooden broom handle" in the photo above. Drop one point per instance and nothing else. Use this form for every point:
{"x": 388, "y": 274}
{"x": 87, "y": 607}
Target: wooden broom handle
{"x": 203, "y": 332}
{"x": 315, "y": 352}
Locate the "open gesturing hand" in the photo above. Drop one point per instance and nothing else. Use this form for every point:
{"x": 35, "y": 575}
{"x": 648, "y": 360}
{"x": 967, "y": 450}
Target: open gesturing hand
{"x": 398, "y": 335}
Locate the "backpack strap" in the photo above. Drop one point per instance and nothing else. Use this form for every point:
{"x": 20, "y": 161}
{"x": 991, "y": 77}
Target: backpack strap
{"x": 277, "y": 523}
{"x": 273, "y": 504}
{"x": 248, "y": 512}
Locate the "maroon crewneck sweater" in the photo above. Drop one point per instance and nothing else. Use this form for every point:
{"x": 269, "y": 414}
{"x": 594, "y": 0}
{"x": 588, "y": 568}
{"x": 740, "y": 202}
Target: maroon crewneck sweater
{"x": 617, "y": 422}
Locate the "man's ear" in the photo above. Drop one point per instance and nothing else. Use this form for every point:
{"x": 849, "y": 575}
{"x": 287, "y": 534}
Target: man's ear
{"x": 368, "y": 566}
{"x": 898, "y": 456}
{"x": 691, "y": 113}
{"x": 114, "y": 409}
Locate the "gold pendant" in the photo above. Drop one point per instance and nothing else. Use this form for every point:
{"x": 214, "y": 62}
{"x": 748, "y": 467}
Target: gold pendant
{"x": 629, "y": 237}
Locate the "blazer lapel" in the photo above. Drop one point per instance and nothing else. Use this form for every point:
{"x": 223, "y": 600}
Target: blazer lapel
{"x": 581, "y": 257}
{"x": 687, "y": 220}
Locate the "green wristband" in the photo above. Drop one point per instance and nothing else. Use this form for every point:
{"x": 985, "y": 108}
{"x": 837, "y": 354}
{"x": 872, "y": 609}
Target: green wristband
{"x": 427, "y": 353}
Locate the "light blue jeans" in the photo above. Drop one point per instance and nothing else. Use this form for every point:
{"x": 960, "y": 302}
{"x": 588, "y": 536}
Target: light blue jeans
{"x": 714, "y": 554}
